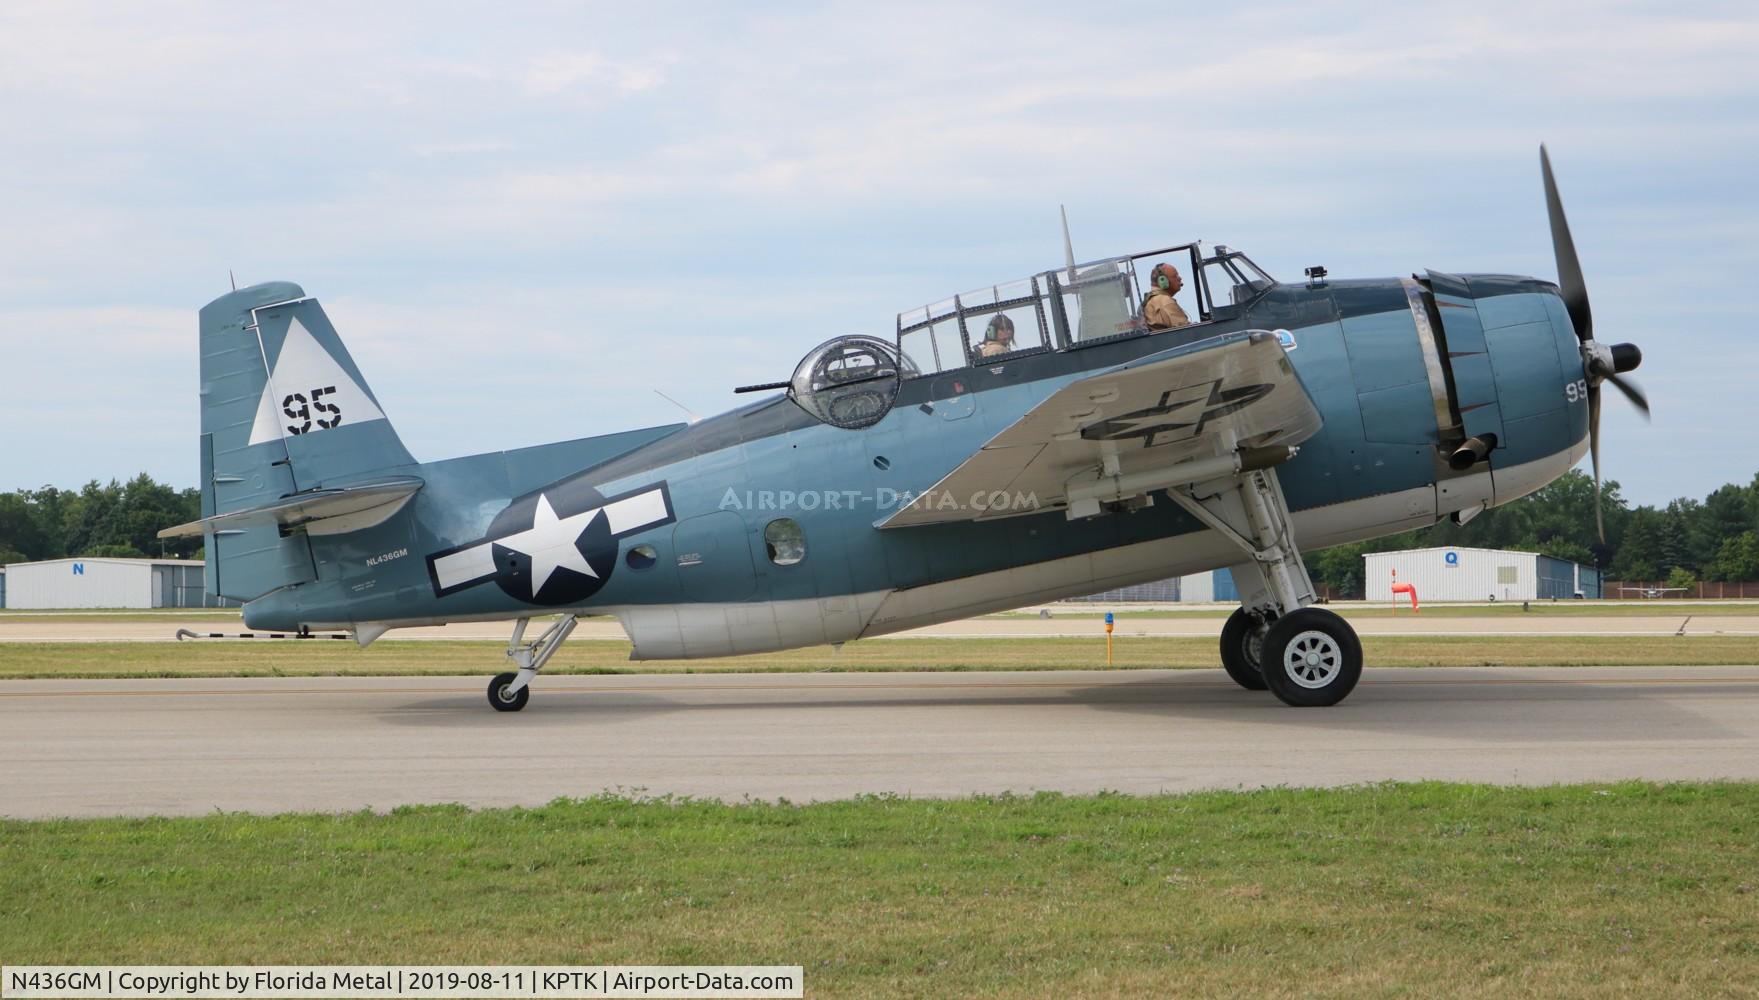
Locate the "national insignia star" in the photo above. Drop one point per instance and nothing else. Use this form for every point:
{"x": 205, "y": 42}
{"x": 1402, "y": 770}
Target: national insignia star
{"x": 550, "y": 542}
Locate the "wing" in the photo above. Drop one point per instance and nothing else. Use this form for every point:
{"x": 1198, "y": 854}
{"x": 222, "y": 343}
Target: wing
{"x": 1120, "y": 431}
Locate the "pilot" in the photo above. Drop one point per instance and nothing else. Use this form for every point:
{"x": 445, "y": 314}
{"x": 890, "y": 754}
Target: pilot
{"x": 998, "y": 337}
{"x": 1159, "y": 308}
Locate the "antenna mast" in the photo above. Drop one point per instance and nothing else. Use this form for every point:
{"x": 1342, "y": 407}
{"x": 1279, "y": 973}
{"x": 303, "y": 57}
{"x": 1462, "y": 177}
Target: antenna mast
{"x": 687, "y": 410}
{"x": 1068, "y": 245}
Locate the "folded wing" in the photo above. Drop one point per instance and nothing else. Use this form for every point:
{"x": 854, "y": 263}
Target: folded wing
{"x": 1107, "y": 435}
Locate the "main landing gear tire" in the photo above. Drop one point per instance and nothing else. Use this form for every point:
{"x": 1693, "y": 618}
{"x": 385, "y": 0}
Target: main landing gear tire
{"x": 1242, "y": 643}
{"x": 501, "y": 699}
{"x": 1311, "y": 658}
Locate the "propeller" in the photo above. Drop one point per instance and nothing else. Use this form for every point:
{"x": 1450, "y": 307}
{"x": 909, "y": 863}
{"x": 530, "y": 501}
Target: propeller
{"x": 1600, "y": 362}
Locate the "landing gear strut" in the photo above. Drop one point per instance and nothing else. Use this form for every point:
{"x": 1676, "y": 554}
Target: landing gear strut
{"x": 1304, "y": 655}
{"x": 510, "y": 691}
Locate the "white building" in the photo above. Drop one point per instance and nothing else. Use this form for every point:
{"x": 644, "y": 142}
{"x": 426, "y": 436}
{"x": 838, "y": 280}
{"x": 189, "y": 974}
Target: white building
{"x": 1197, "y": 588}
{"x": 108, "y": 583}
{"x": 1455, "y": 573}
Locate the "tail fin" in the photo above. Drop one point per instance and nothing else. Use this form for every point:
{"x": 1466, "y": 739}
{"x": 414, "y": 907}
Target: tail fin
{"x": 284, "y": 411}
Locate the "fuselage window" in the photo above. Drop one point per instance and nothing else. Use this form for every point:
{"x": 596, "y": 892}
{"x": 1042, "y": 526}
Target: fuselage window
{"x": 784, "y": 541}
{"x": 641, "y": 557}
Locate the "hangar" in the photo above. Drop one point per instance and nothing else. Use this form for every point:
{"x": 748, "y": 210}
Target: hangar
{"x": 1457, "y": 573}
{"x": 1196, "y": 588}
{"x": 108, "y": 583}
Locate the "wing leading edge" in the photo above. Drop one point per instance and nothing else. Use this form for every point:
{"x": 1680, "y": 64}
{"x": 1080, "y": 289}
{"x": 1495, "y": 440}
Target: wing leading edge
{"x": 1204, "y": 409}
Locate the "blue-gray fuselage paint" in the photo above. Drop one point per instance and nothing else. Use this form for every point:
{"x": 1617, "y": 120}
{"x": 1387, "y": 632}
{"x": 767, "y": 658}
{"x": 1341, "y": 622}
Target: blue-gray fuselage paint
{"x": 1509, "y": 342}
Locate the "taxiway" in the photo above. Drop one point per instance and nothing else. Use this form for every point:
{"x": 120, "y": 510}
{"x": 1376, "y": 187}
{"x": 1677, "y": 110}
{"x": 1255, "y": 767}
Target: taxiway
{"x": 136, "y": 747}
{"x": 164, "y": 629}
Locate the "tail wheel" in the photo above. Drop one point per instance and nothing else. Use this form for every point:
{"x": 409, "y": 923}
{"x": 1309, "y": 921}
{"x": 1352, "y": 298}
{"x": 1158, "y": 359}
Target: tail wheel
{"x": 502, "y": 695}
{"x": 1311, "y": 658}
{"x": 1242, "y": 645}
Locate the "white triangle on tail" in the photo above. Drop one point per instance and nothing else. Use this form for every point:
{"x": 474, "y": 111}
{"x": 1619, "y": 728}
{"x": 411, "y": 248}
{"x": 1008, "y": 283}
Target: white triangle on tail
{"x": 309, "y": 392}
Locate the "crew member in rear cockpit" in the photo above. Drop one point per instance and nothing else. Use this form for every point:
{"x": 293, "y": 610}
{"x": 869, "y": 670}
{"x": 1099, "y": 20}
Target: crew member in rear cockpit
{"x": 1159, "y": 309}
{"x": 998, "y": 337}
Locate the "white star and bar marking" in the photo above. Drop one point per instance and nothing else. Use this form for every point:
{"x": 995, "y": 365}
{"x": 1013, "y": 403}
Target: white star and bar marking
{"x": 550, "y": 542}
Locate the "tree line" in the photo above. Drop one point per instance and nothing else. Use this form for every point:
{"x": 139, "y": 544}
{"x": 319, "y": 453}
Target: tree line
{"x": 1716, "y": 538}
{"x": 117, "y": 519}
{"x": 1687, "y": 540}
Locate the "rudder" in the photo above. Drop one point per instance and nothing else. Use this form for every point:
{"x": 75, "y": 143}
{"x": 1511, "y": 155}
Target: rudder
{"x": 285, "y": 410}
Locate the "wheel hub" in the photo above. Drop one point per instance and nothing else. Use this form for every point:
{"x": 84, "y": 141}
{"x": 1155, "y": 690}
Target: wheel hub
{"x": 1312, "y": 659}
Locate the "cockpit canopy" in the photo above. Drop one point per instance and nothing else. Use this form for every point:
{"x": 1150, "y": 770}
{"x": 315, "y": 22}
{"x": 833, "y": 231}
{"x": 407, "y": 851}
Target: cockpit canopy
{"x": 852, "y": 381}
{"x": 1052, "y": 310}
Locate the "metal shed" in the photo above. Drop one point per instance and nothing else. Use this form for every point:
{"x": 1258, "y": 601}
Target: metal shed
{"x": 1458, "y": 573}
{"x": 1196, "y": 588}
{"x": 108, "y": 583}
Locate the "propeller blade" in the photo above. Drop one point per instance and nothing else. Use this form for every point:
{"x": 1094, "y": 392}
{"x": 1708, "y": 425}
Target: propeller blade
{"x": 1632, "y": 393}
{"x": 1569, "y": 270}
{"x": 1594, "y": 451}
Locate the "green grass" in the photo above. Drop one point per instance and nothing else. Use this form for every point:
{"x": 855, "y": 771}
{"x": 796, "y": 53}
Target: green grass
{"x": 263, "y": 658}
{"x": 1387, "y": 891}
{"x": 1561, "y": 609}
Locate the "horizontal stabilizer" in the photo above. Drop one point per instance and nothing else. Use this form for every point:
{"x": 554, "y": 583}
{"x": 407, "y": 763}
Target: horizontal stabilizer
{"x": 311, "y": 510}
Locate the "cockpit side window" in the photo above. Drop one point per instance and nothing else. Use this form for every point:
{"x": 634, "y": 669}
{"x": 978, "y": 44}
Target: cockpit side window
{"x": 1008, "y": 331}
{"x": 1077, "y": 304}
{"x": 1184, "y": 262}
{"x": 930, "y": 339}
{"x": 1230, "y": 282}
{"x": 1007, "y": 319}
{"x": 1099, "y": 301}
{"x": 974, "y": 328}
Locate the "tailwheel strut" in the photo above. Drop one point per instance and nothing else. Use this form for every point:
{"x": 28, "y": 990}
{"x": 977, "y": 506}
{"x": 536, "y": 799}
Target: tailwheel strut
{"x": 509, "y": 692}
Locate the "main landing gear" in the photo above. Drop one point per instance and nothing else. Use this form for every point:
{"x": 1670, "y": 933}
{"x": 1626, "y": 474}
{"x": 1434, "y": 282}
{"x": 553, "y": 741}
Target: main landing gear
{"x": 510, "y": 691}
{"x": 1304, "y": 655}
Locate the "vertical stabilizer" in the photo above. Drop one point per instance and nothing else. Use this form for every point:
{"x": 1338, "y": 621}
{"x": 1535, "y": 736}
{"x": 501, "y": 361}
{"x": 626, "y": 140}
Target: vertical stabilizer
{"x": 284, "y": 410}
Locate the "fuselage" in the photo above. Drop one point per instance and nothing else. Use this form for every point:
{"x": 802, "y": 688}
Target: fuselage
{"x": 1395, "y": 366}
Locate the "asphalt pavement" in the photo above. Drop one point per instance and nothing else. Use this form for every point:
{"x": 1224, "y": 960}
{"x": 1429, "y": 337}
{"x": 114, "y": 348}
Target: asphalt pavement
{"x": 190, "y": 746}
{"x": 164, "y": 628}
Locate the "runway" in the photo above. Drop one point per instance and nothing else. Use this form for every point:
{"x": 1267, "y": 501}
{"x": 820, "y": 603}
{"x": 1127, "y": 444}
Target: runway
{"x": 133, "y": 747}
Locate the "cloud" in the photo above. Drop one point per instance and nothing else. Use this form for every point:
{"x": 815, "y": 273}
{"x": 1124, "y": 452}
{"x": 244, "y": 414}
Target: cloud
{"x": 460, "y": 148}
{"x": 574, "y": 205}
{"x": 556, "y": 72}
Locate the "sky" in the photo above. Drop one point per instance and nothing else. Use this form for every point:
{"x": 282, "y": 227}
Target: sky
{"x": 526, "y": 218}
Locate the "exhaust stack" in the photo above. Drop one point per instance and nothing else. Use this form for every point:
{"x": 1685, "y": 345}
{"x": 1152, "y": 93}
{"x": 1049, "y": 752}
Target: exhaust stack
{"x": 1471, "y": 451}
